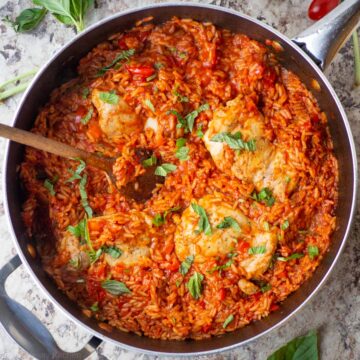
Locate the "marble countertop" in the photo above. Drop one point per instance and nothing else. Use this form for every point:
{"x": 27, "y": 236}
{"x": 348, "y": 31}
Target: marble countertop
{"x": 335, "y": 310}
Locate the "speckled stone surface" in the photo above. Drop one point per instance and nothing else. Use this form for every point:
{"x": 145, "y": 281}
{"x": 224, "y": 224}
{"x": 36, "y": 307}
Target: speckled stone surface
{"x": 335, "y": 310}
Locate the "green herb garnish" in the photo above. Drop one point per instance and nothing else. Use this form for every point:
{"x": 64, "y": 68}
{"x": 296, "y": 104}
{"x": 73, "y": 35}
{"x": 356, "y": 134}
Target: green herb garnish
{"x": 285, "y": 225}
{"x": 180, "y": 97}
{"x": 265, "y": 196}
{"x": 152, "y": 77}
{"x": 87, "y": 117}
{"x": 28, "y": 19}
{"x": 313, "y": 251}
{"x": 49, "y": 186}
{"x": 186, "y": 265}
{"x": 109, "y": 97}
{"x": 199, "y": 132}
{"x": 195, "y": 285}
{"x": 203, "y": 224}
{"x": 149, "y": 104}
{"x": 115, "y": 287}
{"x": 113, "y": 251}
{"x": 265, "y": 288}
{"x": 76, "y": 175}
{"x": 94, "y": 255}
{"x": 164, "y": 169}
{"x": 123, "y": 55}
{"x": 187, "y": 122}
{"x": 180, "y": 142}
{"x": 228, "y": 320}
{"x": 85, "y": 93}
{"x": 257, "y": 250}
{"x": 158, "y": 220}
{"x": 234, "y": 141}
{"x": 94, "y": 307}
{"x": 182, "y": 153}
{"x": 227, "y": 222}
{"x": 84, "y": 196}
{"x": 151, "y": 161}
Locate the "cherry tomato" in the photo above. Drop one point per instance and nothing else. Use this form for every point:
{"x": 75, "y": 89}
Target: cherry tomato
{"x": 319, "y": 8}
{"x": 143, "y": 71}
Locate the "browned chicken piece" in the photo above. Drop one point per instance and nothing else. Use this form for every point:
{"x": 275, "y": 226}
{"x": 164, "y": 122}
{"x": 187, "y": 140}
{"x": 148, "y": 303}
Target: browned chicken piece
{"x": 117, "y": 119}
{"x": 265, "y": 165}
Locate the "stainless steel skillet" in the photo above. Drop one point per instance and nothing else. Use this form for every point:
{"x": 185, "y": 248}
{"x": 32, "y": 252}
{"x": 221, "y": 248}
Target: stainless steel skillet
{"x": 320, "y": 42}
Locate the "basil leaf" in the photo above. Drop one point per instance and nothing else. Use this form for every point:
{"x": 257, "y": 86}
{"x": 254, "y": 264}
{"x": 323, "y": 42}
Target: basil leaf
{"x": 87, "y": 117}
{"x": 165, "y": 169}
{"x": 78, "y": 230}
{"x": 123, "y": 55}
{"x": 150, "y": 161}
{"x": 49, "y": 186}
{"x": 203, "y": 224}
{"x": 234, "y": 141}
{"x": 313, "y": 251}
{"x": 186, "y": 265}
{"x": 152, "y": 77}
{"x": 113, "y": 251}
{"x": 94, "y": 255}
{"x": 149, "y": 104}
{"x": 180, "y": 142}
{"x": 158, "y": 220}
{"x": 28, "y": 19}
{"x": 69, "y": 12}
{"x": 300, "y": 348}
{"x": 227, "y": 222}
{"x": 265, "y": 288}
{"x": 109, "y": 97}
{"x": 195, "y": 285}
{"x": 115, "y": 287}
{"x": 180, "y": 97}
{"x": 221, "y": 267}
{"x": 75, "y": 262}
{"x": 285, "y": 225}
{"x": 264, "y": 195}
{"x": 77, "y": 172}
{"x": 199, "y": 132}
{"x": 190, "y": 118}
{"x": 291, "y": 257}
{"x": 266, "y": 226}
{"x": 228, "y": 320}
{"x": 183, "y": 153}
{"x": 257, "y": 250}
{"x": 84, "y": 197}
{"x": 158, "y": 65}
{"x": 85, "y": 93}
{"x": 94, "y": 307}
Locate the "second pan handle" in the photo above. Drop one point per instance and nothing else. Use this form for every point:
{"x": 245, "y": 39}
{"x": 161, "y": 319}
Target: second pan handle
{"x": 323, "y": 40}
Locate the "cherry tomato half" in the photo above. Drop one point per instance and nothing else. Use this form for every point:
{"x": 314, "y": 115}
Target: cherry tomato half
{"x": 319, "y": 8}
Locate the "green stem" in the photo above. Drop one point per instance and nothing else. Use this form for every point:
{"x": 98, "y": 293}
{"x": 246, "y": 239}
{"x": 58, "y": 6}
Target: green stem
{"x": 14, "y": 90}
{"x": 357, "y": 57}
{"x": 19, "y": 77}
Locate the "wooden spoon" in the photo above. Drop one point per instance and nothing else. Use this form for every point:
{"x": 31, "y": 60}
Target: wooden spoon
{"x": 140, "y": 189}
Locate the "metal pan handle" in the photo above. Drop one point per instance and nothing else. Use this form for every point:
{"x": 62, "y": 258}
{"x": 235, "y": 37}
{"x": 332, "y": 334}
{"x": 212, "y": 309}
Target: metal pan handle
{"x": 323, "y": 40}
{"x": 28, "y": 331}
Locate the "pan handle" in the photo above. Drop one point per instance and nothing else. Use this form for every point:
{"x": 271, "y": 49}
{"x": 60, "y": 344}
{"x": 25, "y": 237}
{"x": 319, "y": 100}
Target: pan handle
{"x": 28, "y": 331}
{"x": 323, "y": 40}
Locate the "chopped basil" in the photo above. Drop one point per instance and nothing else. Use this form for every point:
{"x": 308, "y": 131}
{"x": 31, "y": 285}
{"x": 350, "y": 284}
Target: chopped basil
{"x": 287, "y": 179}
{"x": 178, "y": 282}
{"x": 199, "y": 132}
{"x": 87, "y": 117}
{"x": 221, "y": 267}
{"x": 257, "y": 250}
{"x": 115, "y": 287}
{"x": 180, "y": 142}
{"x": 152, "y": 77}
{"x": 264, "y": 195}
{"x": 234, "y": 141}
{"x": 180, "y": 97}
{"x": 49, "y": 186}
{"x": 85, "y": 93}
{"x": 79, "y": 229}
{"x": 227, "y": 222}
{"x": 158, "y": 220}
{"x": 313, "y": 251}
{"x": 149, "y": 104}
{"x": 195, "y": 285}
{"x": 165, "y": 169}
{"x": 84, "y": 196}
{"x": 94, "y": 255}
{"x": 291, "y": 257}
{"x": 265, "y": 288}
{"x": 182, "y": 153}
{"x": 109, "y": 97}
{"x": 113, "y": 251}
{"x": 150, "y": 161}
{"x": 228, "y": 320}
{"x": 203, "y": 224}
{"x": 94, "y": 307}
{"x": 186, "y": 265}
{"x": 187, "y": 122}
{"x": 75, "y": 262}
{"x": 300, "y": 348}
{"x": 158, "y": 65}
{"x": 76, "y": 174}
{"x": 285, "y": 225}
{"x": 123, "y": 55}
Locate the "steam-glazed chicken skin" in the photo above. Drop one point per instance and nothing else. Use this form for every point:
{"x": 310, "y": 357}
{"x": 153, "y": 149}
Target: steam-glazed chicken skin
{"x": 116, "y": 117}
{"x": 222, "y": 241}
{"x": 260, "y": 161}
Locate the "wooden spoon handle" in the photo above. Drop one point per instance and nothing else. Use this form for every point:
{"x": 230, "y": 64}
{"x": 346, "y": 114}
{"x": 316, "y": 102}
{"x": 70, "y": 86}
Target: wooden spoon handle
{"x": 53, "y": 147}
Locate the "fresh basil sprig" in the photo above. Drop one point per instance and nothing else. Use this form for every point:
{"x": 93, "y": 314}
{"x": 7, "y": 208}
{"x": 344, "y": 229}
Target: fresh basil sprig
{"x": 69, "y": 12}
{"x": 27, "y": 20}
